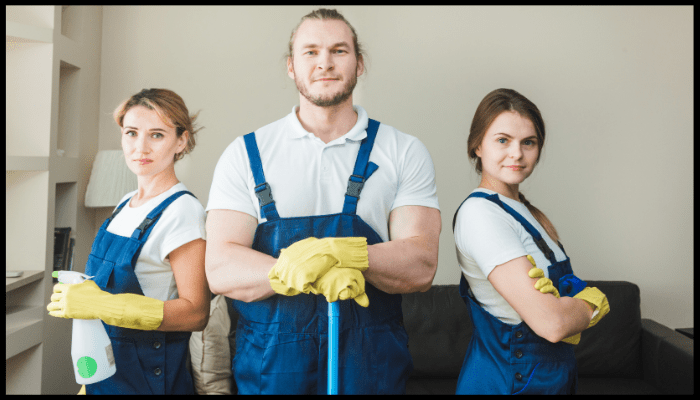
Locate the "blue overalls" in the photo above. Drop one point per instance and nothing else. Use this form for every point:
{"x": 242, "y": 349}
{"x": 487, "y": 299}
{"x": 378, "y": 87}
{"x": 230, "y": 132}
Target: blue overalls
{"x": 512, "y": 359}
{"x": 282, "y": 341}
{"x": 148, "y": 362}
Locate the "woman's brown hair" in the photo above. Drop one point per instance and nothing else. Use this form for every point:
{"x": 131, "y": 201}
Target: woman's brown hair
{"x": 495, "y": 103}
{"x": 171, "y": 109}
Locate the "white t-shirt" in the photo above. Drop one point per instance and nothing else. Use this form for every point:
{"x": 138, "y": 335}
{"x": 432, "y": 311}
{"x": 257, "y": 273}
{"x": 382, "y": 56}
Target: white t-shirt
{"x": 487, "y": 236}
{"x": 181, "y": 222}
{"x": 309, "y": 177}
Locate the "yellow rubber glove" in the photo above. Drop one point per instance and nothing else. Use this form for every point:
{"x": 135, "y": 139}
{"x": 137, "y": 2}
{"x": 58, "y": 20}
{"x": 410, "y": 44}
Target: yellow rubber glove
{"x": 299, "y": 265}
{"x": 597, "y": 299}
{"x": 82, "y": 390}
{"x": 342, "y": 284}
{"x": 545, "y": 285}
{"x": 87, "y": 301}
{"x": 306, "y": 261}
{"x": 350, "y": 251}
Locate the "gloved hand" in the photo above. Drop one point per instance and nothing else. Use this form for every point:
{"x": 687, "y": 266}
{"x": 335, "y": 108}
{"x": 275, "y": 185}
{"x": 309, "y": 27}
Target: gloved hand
{"x": 597, "y": 299}
{"x": 87, "y": 301}
{"x": 299, "y": 265}
{"x": 82, "y": 390}
{"x": 307, "y": 260}
{"x": 545, "y": 285}
{"x": 342, "y": 284}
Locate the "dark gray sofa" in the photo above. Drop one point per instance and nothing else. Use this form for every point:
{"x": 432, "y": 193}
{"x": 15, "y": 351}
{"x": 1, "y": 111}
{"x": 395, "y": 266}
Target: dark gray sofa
{"x": 622, "y": 354}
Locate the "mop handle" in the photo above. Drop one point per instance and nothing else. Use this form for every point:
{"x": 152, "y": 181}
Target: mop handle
{"x": 333, "y": 322}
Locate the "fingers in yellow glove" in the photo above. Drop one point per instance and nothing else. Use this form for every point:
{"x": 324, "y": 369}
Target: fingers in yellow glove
{"x": 532, "y": 261}
{"x": 597, "y": 299}
{"x": 87, "y": 301}
{"x": 61, "y": 307}
{"x": 299, "y": 265}
{"x": 544, "y": 285}
{"x": 304, "y": 262}
{"x": 575, "y": 339}
{"x": 342, "y": 284}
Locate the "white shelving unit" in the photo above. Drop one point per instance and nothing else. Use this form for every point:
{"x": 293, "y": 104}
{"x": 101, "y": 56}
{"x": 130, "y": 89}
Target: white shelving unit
{"x": 52, "y": 74}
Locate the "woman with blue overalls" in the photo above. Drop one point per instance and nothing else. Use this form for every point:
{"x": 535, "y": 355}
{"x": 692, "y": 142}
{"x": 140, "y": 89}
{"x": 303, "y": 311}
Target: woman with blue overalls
{"x": 524, "y": 337}
{"x": 147, "y": 261}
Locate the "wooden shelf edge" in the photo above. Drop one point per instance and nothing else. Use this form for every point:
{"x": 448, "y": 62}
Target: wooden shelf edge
{"x": 26, "y": 278}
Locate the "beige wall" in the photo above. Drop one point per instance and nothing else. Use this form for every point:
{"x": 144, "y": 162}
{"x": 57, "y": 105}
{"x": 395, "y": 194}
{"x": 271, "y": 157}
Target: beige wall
{"x": 614, "y": 85}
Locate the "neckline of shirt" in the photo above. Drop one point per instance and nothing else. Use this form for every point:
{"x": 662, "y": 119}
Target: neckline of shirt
{"x": 357, "y": 133}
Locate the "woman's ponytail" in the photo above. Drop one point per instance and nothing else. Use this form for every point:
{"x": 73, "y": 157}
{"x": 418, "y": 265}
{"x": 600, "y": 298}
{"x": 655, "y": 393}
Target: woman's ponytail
{"x": 541, "y": 218}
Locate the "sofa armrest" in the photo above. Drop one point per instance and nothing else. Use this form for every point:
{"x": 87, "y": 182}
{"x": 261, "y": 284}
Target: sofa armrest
{"x": 667, "y": 358}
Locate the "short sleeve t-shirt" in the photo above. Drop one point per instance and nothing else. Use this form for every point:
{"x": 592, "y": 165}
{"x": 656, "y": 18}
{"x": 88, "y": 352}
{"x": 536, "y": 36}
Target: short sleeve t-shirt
{"x": 486, "y": 236}
{"x": 309, "y": 177}
{"x": 181, "y": 222}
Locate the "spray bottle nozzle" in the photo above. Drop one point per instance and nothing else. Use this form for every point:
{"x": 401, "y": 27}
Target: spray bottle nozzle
{"x": 70, "y": 276}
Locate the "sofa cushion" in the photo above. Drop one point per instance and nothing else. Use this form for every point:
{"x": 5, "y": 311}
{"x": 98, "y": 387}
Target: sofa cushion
{"x": 601, "y": 385}
{"x": 612, "y": 348}
{"x": 439, "y": 330}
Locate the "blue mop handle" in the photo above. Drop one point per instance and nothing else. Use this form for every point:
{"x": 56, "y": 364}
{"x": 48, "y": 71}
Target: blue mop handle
{"x": 333, "y": 322}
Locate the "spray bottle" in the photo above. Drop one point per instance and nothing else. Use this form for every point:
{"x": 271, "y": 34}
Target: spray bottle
{"x": 91, "y": 349}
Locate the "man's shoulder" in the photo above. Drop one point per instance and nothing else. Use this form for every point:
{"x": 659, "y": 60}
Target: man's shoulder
{"x": 266, "y": 133}
{"x": 390, "y": 132}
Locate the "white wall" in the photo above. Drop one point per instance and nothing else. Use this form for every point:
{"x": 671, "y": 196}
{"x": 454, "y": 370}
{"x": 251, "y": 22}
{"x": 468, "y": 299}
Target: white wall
{"x": 614, "y": 85}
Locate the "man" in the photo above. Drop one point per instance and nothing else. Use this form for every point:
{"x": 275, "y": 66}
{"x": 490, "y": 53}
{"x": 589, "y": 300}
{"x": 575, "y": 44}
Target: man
{"x": 364, "y": 189}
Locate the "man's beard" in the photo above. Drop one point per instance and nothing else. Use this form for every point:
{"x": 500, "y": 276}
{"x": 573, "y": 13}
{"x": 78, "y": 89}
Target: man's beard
{"x": 328, "y": 102}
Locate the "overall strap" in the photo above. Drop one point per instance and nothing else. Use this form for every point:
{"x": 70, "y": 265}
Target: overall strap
{"x": 262, "y": 188}
{"x": 114, "y": 214}
{"x": 539, "y": 240}
{"x": 142, "y": 232}
{"x": 363, "y": 169}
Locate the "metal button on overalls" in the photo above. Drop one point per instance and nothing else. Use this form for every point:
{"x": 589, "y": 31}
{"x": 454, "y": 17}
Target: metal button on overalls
{"x": 137, "y": 353}
{"x": 282, "y": 341}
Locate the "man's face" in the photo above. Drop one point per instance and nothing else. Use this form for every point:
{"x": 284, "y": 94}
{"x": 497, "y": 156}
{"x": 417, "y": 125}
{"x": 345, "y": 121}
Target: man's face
{"x": 324, "y": 66}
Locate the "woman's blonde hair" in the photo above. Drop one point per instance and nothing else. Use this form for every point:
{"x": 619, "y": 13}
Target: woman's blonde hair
{"x": 495, "y": 103}
{"x": 171, "y": 109}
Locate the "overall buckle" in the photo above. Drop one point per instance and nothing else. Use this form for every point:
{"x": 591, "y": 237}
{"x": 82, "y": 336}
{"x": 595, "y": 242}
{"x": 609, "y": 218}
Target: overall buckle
{"x": 264, "y": 195}
{"x": 354, "y": 188}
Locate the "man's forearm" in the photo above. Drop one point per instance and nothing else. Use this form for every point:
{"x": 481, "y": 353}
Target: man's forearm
{"x": 402, "y": 266}
{"x": 239, "y": 272}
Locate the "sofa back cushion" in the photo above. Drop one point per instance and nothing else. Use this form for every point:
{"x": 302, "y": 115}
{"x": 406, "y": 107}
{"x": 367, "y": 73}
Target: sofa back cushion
{"x": 439, "y": 330}
{"x": 612, "y": 348}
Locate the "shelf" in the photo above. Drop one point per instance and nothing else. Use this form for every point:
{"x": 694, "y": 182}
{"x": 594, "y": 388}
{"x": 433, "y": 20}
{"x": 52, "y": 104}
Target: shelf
{"x": 26, "y": 163}
{"x": 16, "y": 32}
{"x": 69, "y": 112}
{"x": 23, "y": 328}
{"x": 26, "y": 278}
